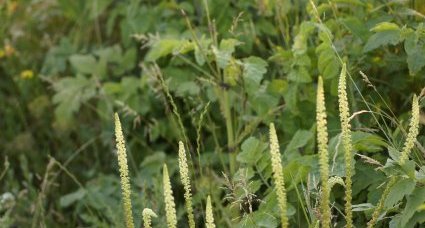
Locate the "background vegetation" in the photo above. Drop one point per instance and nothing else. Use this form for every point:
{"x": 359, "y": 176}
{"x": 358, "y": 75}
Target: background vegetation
{"x": 212, "y": 74}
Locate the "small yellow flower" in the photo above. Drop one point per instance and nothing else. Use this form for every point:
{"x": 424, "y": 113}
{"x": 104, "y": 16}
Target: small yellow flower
{"x": 9, "y": 50}
{"x": 27, "y": 74}
{"x": 11, "y": 7}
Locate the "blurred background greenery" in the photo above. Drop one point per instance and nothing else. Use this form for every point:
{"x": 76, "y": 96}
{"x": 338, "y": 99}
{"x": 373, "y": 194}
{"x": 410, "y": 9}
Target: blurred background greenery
{"x": 228, "y": 67}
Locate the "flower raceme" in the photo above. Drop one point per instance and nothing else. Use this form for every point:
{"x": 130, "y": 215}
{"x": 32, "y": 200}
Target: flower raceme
{"x": 277, "y": 175}
{"x": 344, "y": 113}
{"x": 184, "y": 175}
{"x": 170, "y": 207}
{"x": 322, "y": 140}
{"x": 123, "y": 168}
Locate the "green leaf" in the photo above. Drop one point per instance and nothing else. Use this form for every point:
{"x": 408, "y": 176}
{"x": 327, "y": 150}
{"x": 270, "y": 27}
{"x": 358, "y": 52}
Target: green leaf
{"x": 385, "y": 26}
{"x": 253, "y": 70}
{"x": 328, "y": 62}
{"x": 70, "y": 94}
{"x": 415, "y": 50}
{"x": 224, "y": 53}
{"x": 300, "y": 75}
{"x": 251, "y": 151}
{"x": 300, "y": 41}
{"x": 367, "y": 142}
{"x": 413, "y": 202}
{"x": 382, "y": 38}
{"x": 84, "y": 64}
{"x": 400, "y": 189}
{"x": 162, "y": 48}
{"x": 71, "y": 198}
{"x": 299, "y": 140}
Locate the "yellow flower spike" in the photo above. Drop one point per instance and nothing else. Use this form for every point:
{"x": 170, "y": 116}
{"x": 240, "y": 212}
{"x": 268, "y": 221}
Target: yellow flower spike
{"x": 147, "y": 217}
{"x": 184, "y": 175}
{"x": 344, "y": 113}
{"x": 277, "y": 175}
{"x": 413, "y": 132}
{"x": 27, "y": 74}
{"x": 210, "y": 216}
{"x": 322, "y": 140}
{"x": 125, "y": 181}
{"x": 170, "y": 207}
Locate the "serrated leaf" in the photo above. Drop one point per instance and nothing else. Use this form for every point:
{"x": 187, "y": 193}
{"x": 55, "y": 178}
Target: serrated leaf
{"x": 253, "y": 70}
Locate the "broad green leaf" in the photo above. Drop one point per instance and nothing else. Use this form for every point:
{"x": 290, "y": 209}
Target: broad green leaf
{"x": 251, "y": 151}
{"x": 162, "y": 48}
{"x": 254, "y": 69}
{"x": 384, "y": 26}
{"x": 400, "y": 189}
{"x": 71, "y": 198}
{"x": 328, "y": 63}
{"x": 299, "y": 140}
{"x": 381, "y": 39}
{"x": 413, "y": 202}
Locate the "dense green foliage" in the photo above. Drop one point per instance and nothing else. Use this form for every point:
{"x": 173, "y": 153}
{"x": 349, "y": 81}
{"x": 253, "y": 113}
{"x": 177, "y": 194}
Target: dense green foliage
{"x": 213, "y": 74}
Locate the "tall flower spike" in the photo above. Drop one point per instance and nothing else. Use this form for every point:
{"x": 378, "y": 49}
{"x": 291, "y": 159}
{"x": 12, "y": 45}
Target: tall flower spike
{"x": 125, "y": 182}
{"x": 209, "y": 213}
{"x": 170, "y": 207}
{"x": 277, "y": 175}
{"x": 322, "y": 140}
{"x": 147, "y": 217}
{"x": 413, "y": 131}
{"x": 344, "y": 113}
{"x": 184, "y": 175}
